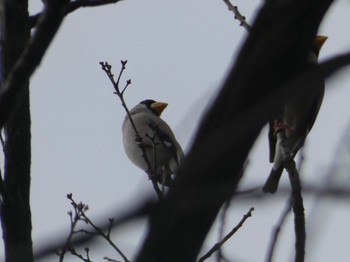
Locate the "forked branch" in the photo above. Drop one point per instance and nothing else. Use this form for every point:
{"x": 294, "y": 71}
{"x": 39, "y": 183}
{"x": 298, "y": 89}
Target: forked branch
{"x": 107, "y": 68}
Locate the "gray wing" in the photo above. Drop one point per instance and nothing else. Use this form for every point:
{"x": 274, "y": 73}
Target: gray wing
{"x": 315, "y": 108}
{"x": 167, "y": 138}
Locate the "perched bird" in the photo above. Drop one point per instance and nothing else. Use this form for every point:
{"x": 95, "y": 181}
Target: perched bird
{"x": 164, "y": 153}
{"x": 297, "y": 119}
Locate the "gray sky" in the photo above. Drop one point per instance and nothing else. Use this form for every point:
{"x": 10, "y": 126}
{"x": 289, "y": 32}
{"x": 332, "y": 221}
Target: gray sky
{"x": 178, "y": 51}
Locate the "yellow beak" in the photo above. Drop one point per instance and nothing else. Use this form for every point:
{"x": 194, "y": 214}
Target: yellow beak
{"x": 319, "y": 41}
{"x": 159, "y": 107}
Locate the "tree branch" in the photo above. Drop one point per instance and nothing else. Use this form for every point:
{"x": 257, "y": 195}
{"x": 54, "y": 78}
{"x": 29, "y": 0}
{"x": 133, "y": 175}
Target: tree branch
{"x": 219, "y": 244}
{"x": 231, "y": 125}
{"x": 238, "y": 15}
{"x": 80, "y": 210}
{"x": 72, "y": 6}
{"x": 149, "y": 206}
{"x": 298, "y": 207}
{"x": 107, "y": 68}
{"x": 137, "y": 212}
{"x": 31, "y": 57}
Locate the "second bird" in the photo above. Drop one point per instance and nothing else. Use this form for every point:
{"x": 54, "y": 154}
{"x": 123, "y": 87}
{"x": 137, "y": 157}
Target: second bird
{"x": 297, "y": 119}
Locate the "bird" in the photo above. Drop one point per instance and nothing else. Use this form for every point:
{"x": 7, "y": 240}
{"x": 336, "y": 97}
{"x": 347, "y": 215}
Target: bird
{"x": 297, "y": 118}
{"x": 155, "y": 137}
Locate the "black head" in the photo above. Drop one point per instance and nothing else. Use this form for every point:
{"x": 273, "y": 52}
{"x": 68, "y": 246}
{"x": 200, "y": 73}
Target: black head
{"x": 148, "y": 103}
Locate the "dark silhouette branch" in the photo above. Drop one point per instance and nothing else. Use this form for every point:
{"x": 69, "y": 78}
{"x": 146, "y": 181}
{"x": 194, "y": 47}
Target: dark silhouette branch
{"x": 200, "y": 166}
{"x": 72, "y": 6}
{"x": 290, "y": 203}
{"x": 149, "y": 206}
{"x": 270, "y": 69}
{"x": 299, "y": 216}
{"x": 15, "y": 210}
{"x": 31, "y": 57}
{"x": 47, "y": 26}
{"x": 229, "y": 130}
{"x": 298, "y": 207}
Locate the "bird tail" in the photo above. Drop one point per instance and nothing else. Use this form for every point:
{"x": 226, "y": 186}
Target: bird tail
{"x": 271, "y": 183}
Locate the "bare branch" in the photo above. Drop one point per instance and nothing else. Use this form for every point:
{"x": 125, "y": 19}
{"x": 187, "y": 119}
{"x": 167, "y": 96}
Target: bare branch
{"x": 73, "y": 222}
{"x": 75, "y": 253}
{"x": 298, "y": 207}
{"x": 285, "y": 213}
{"x": 105, "y": 236}
{"x": 107, "y": 68}
{"x": 137, "y": 212}
{"x": 218, "y": 245}
{"x": 238, "y": 15}
{"x": 149, "y": 206}
{"x": 242, "y": 102}
{"x": 72, "y": 6}
{"x": 31, "y": 57}
{"x": 79, "y": 210}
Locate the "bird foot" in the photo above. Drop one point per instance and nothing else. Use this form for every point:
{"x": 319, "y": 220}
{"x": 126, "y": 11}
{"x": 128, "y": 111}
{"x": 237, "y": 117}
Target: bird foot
{"x": 278, "y": 127}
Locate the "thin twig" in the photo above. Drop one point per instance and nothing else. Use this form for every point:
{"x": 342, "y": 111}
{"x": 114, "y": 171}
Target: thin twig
{"x": 299, "y": 217}
{"x": 107, "y": 68}
{"x": 298, "y": 207}
{"x": 105, "y": 236}
{"x": 75, "y": 253}
{"x": 98, "y": 230}
{"x": 73, "y": 222}
{"x": 126, "y": 86}
{"x": 218, "y": 245}
{"x": 111, "y": 221}
{"x": 140, "y": 211}
{"x": 238, "y": 15}
{"x": 148, "y": 206}
{"x": 284, "y": 214}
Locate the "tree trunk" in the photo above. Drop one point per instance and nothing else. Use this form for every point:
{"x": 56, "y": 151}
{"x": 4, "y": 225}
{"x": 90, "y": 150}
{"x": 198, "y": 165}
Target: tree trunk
{"x": 15, "y": 208}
